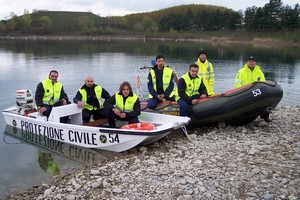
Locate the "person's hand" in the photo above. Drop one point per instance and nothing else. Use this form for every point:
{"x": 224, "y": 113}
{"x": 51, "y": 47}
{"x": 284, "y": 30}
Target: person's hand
{"x": 194, "y": 101}
{"x": 160, "y": 97}
{"x": 64, "y": 102}
{"x": 203, "y": 96}
{"x": 117, "y": 111}
{"x": 122, "y": 115}
{"x": 80, "y": 104}
{"x": 43, "y": 109}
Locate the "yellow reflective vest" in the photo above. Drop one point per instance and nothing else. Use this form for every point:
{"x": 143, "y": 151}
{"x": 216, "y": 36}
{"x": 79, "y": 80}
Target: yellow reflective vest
{"x": 206, "y": 73}
{"x": 98, "y": 92}
{"x": 51, "y": 92}
{"x": 129, "y": 103}
{"x": 192, "y": 85}
{"x": 246, "y": 76}
{"x": 167, "y": 74}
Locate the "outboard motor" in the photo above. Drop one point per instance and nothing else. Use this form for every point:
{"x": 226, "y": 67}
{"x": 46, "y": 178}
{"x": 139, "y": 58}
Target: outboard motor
{"x": 24, "y": 101}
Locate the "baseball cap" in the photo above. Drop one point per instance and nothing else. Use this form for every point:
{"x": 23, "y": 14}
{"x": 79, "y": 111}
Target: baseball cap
{"x": 251, "y": 58}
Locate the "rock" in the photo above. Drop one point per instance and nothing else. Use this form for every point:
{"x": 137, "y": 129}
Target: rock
{"x": 247, "y": 162}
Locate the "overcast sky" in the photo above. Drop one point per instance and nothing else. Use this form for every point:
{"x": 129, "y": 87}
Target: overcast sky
{"x": 118, "y": 7}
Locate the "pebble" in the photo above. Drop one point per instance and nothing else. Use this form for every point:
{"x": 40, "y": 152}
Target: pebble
{"x": 256, "y": 161}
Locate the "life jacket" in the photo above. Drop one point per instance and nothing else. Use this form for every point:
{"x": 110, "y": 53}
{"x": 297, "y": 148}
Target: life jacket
{"x": 192, "y": 85}
{"x": 129, "y": 102}
{"x": 98, "y": 92}
{"x": 51, "y": 92}
{"x": 206, "y": 73}
{"x": 246, "y": 76}
{"x": 167, "y": 74}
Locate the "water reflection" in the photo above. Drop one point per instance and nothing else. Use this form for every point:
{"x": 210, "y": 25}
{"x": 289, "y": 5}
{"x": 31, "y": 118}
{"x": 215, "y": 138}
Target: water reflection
{"x": 49, "y": 148}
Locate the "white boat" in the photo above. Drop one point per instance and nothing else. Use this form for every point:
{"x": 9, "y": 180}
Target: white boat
{"x": 57, "y": 149}
{"x": 23, "y": 116}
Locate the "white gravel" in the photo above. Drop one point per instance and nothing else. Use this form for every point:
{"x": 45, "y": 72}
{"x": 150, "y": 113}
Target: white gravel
{"x": 257, "y": 161}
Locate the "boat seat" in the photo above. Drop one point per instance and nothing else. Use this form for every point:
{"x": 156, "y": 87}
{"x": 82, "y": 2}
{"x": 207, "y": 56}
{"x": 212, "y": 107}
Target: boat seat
{"x": 70, "y": 110}
{"x": 97, "y": 122}
{"x": 37, "y": 116}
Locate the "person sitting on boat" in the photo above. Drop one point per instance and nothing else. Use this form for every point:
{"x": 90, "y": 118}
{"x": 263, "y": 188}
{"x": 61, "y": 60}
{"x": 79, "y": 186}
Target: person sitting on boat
{"x": 124, "y": 106}
{"x": 190, "y": 89}
{"x": 250, "y": 73}
{"x": 89, "y": 98}
{"x": 206, "y": 72}
{"x": 160, "y": 83}
{"x": 50, "y": 93}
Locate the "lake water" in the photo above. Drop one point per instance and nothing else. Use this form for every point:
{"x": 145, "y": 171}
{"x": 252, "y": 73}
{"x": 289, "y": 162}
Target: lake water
{"x": 25, "y": 63}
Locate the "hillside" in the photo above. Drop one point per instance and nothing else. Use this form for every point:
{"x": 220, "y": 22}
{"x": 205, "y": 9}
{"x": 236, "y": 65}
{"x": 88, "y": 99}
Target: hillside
{"x": 184, "y": 21}
{"x": 63, "y": 20}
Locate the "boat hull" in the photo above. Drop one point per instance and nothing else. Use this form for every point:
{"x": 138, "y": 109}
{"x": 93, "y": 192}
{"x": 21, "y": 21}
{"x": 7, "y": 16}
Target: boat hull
{"x": 105, "y": 138}
{"x": 235, "y": 107}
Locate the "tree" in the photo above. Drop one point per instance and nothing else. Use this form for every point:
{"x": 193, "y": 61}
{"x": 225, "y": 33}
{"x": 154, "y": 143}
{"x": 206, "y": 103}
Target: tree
{"x": 271, "y": 15}
{"x": 25, "y": 22}
{"x": 46, "y": 23}
{"x": 249, "y": 18}
{"x": 138, "y": 27}
{"x": 172, "y": 21}
{"x": 290, "y": 17}
{"x": 148, "y": 23}
{"x": 13, "y": 22}
{"x": 2, "y": 27}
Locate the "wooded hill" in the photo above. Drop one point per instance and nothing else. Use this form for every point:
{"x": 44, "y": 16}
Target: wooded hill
{"x": 274, "y": 16}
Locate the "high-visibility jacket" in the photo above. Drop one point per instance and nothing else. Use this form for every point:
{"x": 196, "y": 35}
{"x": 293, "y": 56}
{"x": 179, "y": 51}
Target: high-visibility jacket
{"x": 51, "y": 92}
{"x": 192, "y": 85}
{"x": 98, "y": 92}
{"x": 126, "y": 106}
{"x": 206, "y": 73}
{"x": 246, "y": 76}
{"x": 166, "y": 79}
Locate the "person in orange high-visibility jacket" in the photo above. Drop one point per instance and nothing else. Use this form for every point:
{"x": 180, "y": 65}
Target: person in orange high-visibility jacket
{"x": 206, "y": 72}
{"x": 250, "y": 73}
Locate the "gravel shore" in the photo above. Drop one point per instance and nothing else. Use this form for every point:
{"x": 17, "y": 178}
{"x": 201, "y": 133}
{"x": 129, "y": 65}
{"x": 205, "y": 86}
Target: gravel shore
{"x": 257, "y": 161}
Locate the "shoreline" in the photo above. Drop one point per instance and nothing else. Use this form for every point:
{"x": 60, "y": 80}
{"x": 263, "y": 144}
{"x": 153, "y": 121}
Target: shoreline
{"x": 256, "y": 42}
{"x": 257, "y": 161}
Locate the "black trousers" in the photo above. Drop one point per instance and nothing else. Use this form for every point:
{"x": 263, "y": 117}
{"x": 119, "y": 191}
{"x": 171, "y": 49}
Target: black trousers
{"x": 112, "y": 117}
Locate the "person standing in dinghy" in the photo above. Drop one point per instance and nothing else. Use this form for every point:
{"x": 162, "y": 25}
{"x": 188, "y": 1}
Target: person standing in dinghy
{"x": 190, "y": 89}
{"x": 124, "y": 106}
{"x": 206, "y": 72}
{"x": 160, "y": 83}
{"x": 50, "y": 93}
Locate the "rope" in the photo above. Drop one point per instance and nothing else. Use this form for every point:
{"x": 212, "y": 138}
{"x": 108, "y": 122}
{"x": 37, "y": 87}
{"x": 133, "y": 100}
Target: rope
{"x": 183, "y": 128}
{"x": 10, "y": 142}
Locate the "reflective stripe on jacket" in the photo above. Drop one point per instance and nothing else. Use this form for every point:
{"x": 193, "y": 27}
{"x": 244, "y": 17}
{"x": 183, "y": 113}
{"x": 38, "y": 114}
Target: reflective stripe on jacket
{"x": 246, "y": 76}
{"x": 129, "y": 102}
{"x": 167, "y": 75}
{"x": 206, "y": 73}
{"x": 98, "y": 92}
{"x": 51, "y": 92}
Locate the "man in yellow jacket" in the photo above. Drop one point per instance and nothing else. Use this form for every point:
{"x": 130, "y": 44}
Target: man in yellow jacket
{"x": 89, "y": 98}
{"x": 50, "y": 93}
{"x": 206, "y": 72}
{"x": 249, "y": 74}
